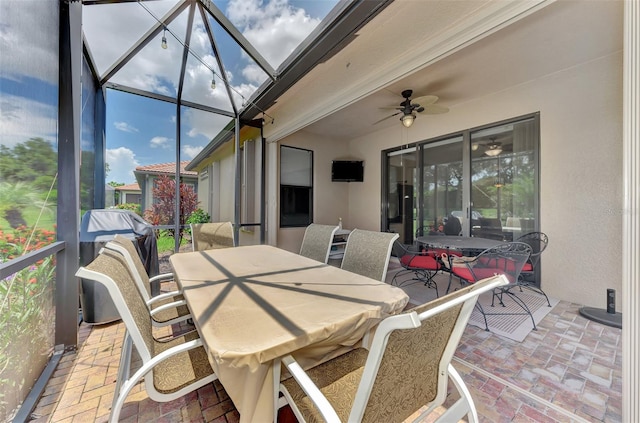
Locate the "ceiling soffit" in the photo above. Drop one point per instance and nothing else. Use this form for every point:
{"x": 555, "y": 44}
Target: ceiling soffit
{"x": 343, "y": 81}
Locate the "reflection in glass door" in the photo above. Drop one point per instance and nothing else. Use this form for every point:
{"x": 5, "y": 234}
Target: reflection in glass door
{"x": 503, "y": 180}
{"x": 442, "y": 192}
{"x": 401, "y": 193}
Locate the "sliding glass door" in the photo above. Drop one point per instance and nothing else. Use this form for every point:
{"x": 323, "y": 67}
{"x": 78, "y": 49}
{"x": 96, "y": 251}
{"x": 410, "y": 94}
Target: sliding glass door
{"x": 399, "y": 214}
{"x": 504, "y": 180}
{"x": 486, "y": 178}
{"x": 442, "y": 191}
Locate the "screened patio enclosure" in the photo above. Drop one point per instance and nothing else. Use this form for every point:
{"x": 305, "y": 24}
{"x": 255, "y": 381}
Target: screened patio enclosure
{"x": 66, "y": 67}
{"x": 56, "y": 90}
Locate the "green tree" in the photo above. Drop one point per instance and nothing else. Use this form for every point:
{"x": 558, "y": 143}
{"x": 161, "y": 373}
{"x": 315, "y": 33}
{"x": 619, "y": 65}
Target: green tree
{"x": 34, "y": 161}
{"x": 14, "y": 197}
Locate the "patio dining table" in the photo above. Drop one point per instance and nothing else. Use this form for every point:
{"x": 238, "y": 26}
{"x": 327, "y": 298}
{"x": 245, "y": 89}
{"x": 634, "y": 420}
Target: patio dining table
{"x": 467, "y": 245}
{"x": 253, "y": 304}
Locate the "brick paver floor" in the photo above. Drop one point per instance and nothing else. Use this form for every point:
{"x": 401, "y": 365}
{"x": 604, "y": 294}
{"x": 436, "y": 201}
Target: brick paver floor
{"x": 569, "y": 370}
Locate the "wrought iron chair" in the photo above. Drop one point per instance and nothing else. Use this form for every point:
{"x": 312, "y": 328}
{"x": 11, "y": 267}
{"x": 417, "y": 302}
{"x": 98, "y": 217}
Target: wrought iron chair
{"x": 317, "y": 240}
{"x": 407, "y": 367}
{"x": 423, "y": 265}
{"x": 367, "y": 253}
{"x": 209, "y": 236}
{"x": 538, "y": 242}
{"x": 505, "y": 259}
{"x": 170, "y": 369}
{"x": 166, "y": 308}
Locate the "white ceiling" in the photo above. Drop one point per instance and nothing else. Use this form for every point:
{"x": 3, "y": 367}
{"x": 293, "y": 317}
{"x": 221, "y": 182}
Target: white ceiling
{"x": 551, "y": 37}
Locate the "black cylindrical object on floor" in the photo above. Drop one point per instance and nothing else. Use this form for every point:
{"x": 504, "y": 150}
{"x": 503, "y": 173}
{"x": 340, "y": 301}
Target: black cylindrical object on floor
{"x": 611, "y": 301}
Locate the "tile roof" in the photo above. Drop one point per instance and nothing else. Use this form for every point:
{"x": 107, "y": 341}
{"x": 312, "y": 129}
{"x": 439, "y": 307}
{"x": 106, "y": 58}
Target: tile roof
{"x": 128, "y": 187}
{"x": 169, "y": 168}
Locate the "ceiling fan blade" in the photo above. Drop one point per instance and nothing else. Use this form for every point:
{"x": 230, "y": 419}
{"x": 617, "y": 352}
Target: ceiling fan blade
{"x": 425, "y": 100}
{"x": 383, "y": 119}
{"x": 434, "y": 109}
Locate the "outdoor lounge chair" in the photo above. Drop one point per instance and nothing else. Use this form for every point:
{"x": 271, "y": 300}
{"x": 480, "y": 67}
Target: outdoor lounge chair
{"x": 170, "y": 369}
{"x": 505, "y": 259}
{"x": 167, "y": 308}
{"x": 209, "y": 236}
{"x": 317, "y": 240}
{"x": 421, "y": 264}
{"x": 407, "y": 367}
{"x": 538, "y": 242}
{"x": 367, "y": 253}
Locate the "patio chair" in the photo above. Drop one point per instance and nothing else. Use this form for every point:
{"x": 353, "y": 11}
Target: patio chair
{"x": 166, "y": 308}
{"x": 210, "y": 236}
{"x": 407, "y": 367}
{"x": 421, "y": 264}
{"x": 316, "y": 243}
{"x": 505, "y": 259}
{"x": 170, "y": 369}
{"x": 538, "y": 242}
{"x": 367, "y": 253}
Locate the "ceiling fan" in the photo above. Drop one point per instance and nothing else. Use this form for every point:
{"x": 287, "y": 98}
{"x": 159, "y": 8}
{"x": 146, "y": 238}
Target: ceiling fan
{"x": 492, "y": 147}
{"x": 408, "y": 108}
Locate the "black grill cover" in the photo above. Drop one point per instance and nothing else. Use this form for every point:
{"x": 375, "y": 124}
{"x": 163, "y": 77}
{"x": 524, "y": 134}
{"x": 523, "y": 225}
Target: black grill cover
{"x": 96, "y": 229}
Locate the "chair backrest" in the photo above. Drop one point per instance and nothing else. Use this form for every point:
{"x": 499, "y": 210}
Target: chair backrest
{"x": 125, "y": 246}
{"x": 367, "y": 253}
{"x": 210, "y": 236}
{"x": 408, "y": 363}
{"x": 538, "y": 241}
{"x": 317, "y": 240}
{"x": 110, "y": 269}
{"x": 507, "y": 259}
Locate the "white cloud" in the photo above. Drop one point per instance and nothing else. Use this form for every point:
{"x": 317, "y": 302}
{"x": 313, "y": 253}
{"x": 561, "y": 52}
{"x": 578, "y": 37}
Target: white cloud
{"x": 22, "y": 119}
{"x": 125, "y": 127}
{"x": 190, "y": 151}
{"x": 160, "y": 142}
{"x": 275, "y": 28}
{"x": 254, "y": 74}
{"x": 26, "y": 52}
{"x": 122, "y": 162}
{"x": 204, "y": 123}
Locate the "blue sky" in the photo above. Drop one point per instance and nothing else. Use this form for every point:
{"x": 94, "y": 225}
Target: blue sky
{"x": 141, "y": 131}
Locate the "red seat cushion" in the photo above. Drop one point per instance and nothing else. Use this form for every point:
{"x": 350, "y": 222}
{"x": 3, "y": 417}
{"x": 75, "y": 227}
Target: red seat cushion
{"x": 420, "y": 262}
{"x": 478, "y": 273}
{"x": 528, "y": 267}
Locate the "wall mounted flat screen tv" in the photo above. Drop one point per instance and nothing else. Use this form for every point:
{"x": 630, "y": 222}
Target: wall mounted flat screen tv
{"x": 347, "y": 171}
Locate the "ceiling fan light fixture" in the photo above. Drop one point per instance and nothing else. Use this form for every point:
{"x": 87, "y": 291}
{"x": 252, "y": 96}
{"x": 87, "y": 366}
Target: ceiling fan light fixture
{"x": 493, "y": 150}
{"x": 407, "y": 120}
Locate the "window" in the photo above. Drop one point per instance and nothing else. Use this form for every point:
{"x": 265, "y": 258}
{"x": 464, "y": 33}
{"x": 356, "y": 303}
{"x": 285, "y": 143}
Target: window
{"x": 296, "y": 187}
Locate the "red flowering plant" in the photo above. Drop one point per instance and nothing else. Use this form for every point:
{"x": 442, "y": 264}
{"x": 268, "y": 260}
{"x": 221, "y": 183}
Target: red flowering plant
{"x": 26, "y": 310}
{"x": 163, "y": 209}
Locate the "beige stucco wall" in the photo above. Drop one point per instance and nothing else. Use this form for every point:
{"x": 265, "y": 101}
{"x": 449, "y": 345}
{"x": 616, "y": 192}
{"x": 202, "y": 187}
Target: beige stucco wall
{"x": 581, "y": 171}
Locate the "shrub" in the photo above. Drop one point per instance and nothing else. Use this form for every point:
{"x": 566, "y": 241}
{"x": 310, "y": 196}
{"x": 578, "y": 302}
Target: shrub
{"x": 134, "y": 207}
{"x": 198, "y": 216}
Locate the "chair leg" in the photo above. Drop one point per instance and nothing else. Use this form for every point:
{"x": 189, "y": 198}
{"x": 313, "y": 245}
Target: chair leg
{"x": 484, "y": 316}
{"x": 124, "y": 367}
{"x": 464, "y": 405}
{"x": 427, "y": 277}
{"x": 521, "y": 303}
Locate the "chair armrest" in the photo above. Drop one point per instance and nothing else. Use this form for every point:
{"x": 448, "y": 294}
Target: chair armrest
{"x": 161, "y": 277}
{"x": 163, "y": 296}
{"x": 168, "y": 306}
{"x": 310, "y": 388}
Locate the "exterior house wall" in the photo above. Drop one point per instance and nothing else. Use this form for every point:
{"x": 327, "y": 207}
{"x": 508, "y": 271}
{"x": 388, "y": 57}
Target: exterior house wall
{"x": 581, "y": 171}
